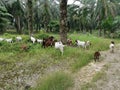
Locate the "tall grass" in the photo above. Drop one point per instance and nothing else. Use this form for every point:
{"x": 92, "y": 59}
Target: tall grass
{"x": 75, "y": 56}
{"x": 55, "y": 81}
{"x": 38, "y": 58}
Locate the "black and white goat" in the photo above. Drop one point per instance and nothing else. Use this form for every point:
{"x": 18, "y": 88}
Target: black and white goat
{"x": 112, "y": 46}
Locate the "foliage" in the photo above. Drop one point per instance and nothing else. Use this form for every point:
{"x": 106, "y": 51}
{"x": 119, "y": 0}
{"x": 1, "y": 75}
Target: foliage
{"x": 107, "y": 24}
{"x": 89, "y": 15}
{"x": 4, "y": 19}
{"x": 116, "y": 22}
{"x": 54, "y": 26}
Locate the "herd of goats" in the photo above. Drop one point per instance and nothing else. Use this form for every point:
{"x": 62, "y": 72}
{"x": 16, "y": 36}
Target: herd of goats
{"x": 50, "y": 41}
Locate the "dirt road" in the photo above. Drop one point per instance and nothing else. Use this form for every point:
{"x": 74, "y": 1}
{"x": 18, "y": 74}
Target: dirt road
{"x": 111, "y": 80}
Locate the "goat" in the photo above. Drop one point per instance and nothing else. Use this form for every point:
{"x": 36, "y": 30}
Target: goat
{"x": 88, "y": 44}
{"x": 32, "y": 39}
{"x": 111, "y": 46}
{"x": 39, "y": 41}
{"x": 1, "y": 39}
{"x": 24, "y": 47}
{"x": 83, "y": 43}
{"x": 96, "y": 56}
{"x": 9, "y": 40}
{"x": 59, "y": 45}
{"x": 69, "y": 42}
{"x": 48, "y": 42}
{"x": 18, "y": 38}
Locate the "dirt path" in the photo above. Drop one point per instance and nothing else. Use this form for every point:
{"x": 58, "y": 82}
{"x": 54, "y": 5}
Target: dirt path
{"x": 112, "y": 80}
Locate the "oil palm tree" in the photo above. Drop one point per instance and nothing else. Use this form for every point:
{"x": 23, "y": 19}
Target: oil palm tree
{"x": 14, "y": 7}
{"x": 103, "y": 10}
{"x": 4, "y": 19}
{"x": 30, "y": 16}
{"x": 63, "y": 21}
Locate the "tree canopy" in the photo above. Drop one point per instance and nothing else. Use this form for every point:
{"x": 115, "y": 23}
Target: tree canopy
{"x": 84, "y": 17}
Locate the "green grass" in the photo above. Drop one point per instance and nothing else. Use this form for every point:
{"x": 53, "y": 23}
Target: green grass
{"x": 101, "y": 75}
{"x": 55, "y": 81}
{"x": 38, "y": 58}
{"x": 77, "y": 57}
{"x": 91, "y": 84}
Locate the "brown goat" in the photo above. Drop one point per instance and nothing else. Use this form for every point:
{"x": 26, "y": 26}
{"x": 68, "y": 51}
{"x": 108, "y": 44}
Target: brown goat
{"x": 24, "y": 47}
{"x": 48, "y": 42}
{"x": 97, "y": 55}
{"x": 69, "y": 42}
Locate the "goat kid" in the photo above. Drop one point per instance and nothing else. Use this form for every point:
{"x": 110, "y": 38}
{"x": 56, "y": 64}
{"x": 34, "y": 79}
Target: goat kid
{"x": 97, "y": 56}
{"x": 69, "y": 42}
{"x": 111, "y": 46}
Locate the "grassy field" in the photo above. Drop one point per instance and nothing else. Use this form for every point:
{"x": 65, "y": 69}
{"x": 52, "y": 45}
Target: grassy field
{"x": 37, "y": 59}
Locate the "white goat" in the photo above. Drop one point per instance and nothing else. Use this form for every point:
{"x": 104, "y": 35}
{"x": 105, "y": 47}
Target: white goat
{"x": 18, "y": 38}
{"x": 83, "y": 43}
{"x": 88, "y": 44}
{"x": 59, "y": 45}
{"x": 9, "y": 40}
{"x": 111, "y": 46}
{"x": 39, "y": 41}
{"x": 1, "y": 39}
{"x": 32, "y": 39}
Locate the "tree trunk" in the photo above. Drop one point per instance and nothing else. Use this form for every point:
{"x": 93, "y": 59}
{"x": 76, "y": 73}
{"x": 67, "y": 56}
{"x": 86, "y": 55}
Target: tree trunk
{"x": 104, "y": 33}
{"x": 30, "y": 16}
{"x": 19, "y": 25}
{"x": 63, "y": 21}
{"x": 100, "y": 33}
{"x": 90, "y": 31}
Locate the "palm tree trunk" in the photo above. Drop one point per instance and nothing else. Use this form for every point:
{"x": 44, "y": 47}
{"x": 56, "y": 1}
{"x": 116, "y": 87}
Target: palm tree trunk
{"x": 63, "y": 21}
{"x": 99, "y": 32}
{"x": 18, "y": 28}
{"x": 30, "y": 16}
{"x": 104, "y": 32}
{"x": 18, "y": 25}
{"x": 90, "y": 31}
